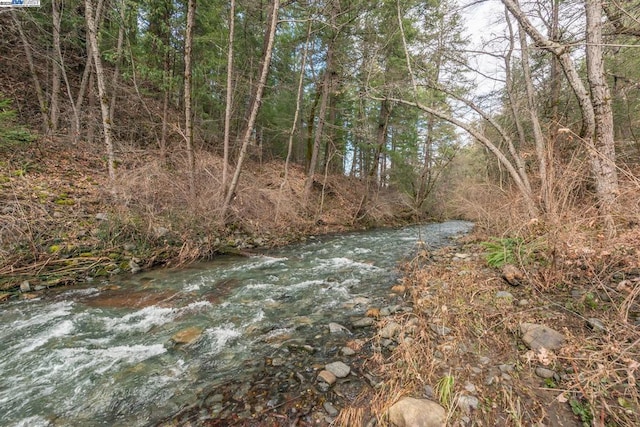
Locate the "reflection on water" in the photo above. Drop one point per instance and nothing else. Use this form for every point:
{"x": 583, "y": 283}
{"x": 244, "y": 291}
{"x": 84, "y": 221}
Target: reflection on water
{"x": 118, "y": 353}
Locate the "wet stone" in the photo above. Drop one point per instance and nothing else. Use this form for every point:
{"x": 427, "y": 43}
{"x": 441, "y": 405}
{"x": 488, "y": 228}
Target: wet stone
{"x": 336, "y": 328}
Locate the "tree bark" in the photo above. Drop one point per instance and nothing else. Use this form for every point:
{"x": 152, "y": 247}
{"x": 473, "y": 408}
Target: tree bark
{"x": 188, "y": 114}
{"x": 42, "y": 101}
{"x": 102, "y": 90}
{"x": 255, "y": 104}
{"x": 541, "y": 146}
{"x": 603, "y": 158}
{"x": 229, "y": 96}
{"x": 595, "y": 103}
{"x": 54, "y": 105}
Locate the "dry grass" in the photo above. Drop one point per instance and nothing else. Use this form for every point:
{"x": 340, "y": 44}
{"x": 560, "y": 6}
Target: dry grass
{"x": 53, "y": 191}
{"x": 597, "y": 370}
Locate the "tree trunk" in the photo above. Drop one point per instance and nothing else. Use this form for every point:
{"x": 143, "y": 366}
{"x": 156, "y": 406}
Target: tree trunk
{"x": 296, "y": 114}
{"x": 54, "y": 105}
{"x": 324, "y": 100}
{"x": 42, "y": 102}
{"x": 255, "y": 104}
{"x": 121, "y": 5}
{"x": 188, "y": 118}
{"x": 102, "y": 90}
{"x": 597, "y": 122}
{"x": 603, "y": 158}
{"x": 229, "y": 96}
{"x": 541, "y": 146}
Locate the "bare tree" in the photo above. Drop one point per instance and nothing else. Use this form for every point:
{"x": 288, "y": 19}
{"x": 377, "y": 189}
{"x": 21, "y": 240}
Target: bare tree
{"x": 594, "y": 101}
{"x": 229, "y": 96}
{"x": 188, "y": 118}
{"x": 92, "y": 27}
{"x": 254, "y": 107}
{"x": 42, "y": 101}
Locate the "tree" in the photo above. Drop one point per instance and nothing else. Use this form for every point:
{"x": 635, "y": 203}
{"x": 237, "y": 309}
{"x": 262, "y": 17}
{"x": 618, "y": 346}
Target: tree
{"x": 92, "y": 27}
{"x": 188, "y": 114}
{"x": 254, "y": 105}
{"x": 594, "y": 101}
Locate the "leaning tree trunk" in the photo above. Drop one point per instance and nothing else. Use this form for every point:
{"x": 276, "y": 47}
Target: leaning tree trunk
{"x": 255, "y": 105}
{"x": 595, "y": 103}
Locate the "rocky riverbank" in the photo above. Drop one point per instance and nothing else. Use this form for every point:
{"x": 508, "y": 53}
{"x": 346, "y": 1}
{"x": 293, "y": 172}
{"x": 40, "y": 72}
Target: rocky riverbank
{"x": 455, "y": 345}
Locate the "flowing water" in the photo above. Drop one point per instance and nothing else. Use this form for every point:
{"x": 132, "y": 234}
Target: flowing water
{"x": 104, "y": 355}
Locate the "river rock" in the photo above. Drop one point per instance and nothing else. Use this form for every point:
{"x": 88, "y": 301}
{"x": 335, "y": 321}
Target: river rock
{"x": 327, "y": 377}
{"x": 390, "y": 330}
{"x": 544, "y": 372}
{"x": 331, "y": 410}
{"x": 133, "y": 265}
{"x": 596, "y": 324}
{"x": 339, "y": 369}
{"x": 512, "y": 275}
{"x": 540, "y": 336}
{"x": 411, "y": 412}
{"x": 336, "y": 328}
{"x": 440, "y": 329}
{"x": 186, "y": 336}
{"x": 348, "y": 351}
{"x": 468, "y": 403}
{"x": 25, "y": 286}
{"x": 364, "y": 322}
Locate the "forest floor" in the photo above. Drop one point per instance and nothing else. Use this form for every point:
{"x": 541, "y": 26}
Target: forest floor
{"x": 464, "y": 342}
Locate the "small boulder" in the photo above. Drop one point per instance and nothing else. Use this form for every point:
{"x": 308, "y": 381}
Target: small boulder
{"x": 390, "y": 330}
{"x": 364, "y": 322}
{"x": 540, "y": 336}
{"x": 25, "y": 286}
{"x": 347, "y": 351}
{"x": 544, "y": 372}
{"x": 331, "y": 410}
{"x": 327, "y": 377}
{"x": 411, "y": 412}
{"x": 186, "y": 336}
{"x": 512, "y": 275}
{"x": 596, "y": 324}
{"x": 339, "y": 369}
{"x": 467, "y": 403}
{"x": 336, "y": 328}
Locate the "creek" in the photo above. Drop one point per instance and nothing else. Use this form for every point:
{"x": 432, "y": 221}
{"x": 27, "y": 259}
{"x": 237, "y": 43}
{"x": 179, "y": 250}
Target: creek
{"x": 135, "y": 350}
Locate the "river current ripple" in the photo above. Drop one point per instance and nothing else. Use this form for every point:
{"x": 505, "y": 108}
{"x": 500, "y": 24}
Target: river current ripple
{"x": 101, "y": 354}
